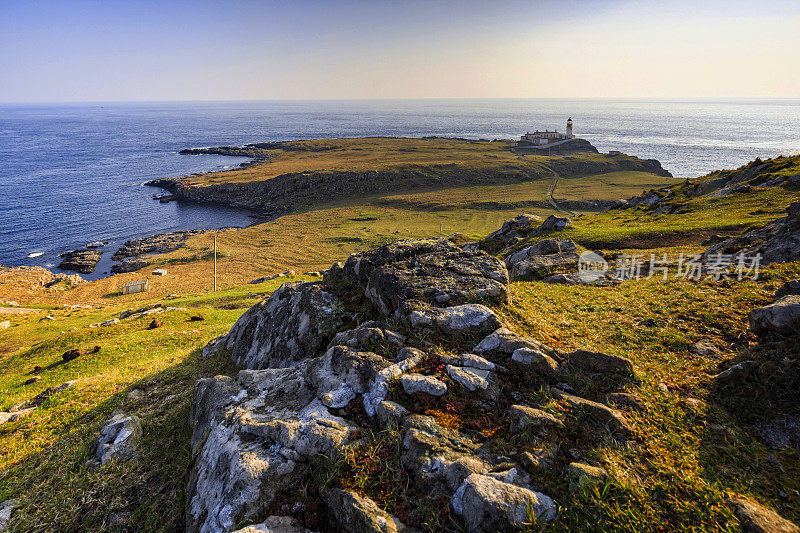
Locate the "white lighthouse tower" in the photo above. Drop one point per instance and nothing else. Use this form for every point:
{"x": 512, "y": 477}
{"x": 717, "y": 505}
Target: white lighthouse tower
{"x": 569, "y": 128}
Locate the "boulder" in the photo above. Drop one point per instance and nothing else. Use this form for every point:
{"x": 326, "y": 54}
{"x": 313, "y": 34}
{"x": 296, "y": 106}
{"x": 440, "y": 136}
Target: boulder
{"x": 708, "y": 347}
{"x": 369, "y": 335}
{"x": 540, "y": 266}
{"x": 5, "y": 324}
{"x": 296, "y": 322}
{"x": 783, "y": 316}
{"x": 522, "y": 417}
{"x": 474, "y": 319}
{"x": 119, "y": 439}
{"x": 538, "y": 360}
{"x": 582, "y": 476}
{"x": 7, "y": 418}
{"x": 512, "y": 231}
{"x": 626, "y": 400}
{"x": 543, "y": 247}
{"x": 539, "y": 459}
{"x": 488, "y": 505}
{"x": 755, "y": 518}
{"x": 359, "y": 514}
{"x": 479, "y": 380}
{"x": 502, "y": 343}
{"x": 414, "y": 383}
{"x": 790, "y": 288}
{"x": 553, "y": 223}
{"x": 600, "y": 362}
{"x": 613, "y": 419}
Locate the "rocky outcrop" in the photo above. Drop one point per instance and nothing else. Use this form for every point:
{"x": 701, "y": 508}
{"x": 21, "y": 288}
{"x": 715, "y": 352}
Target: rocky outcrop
{"x": 296, "y": 321}
{"x": 155, "y": 244}
{"x": 433, "y": 271}
{"x": 83, "y": 261}
{"x": 519, "y": 228}
{"x": 777, "y": 241}
{"x": 314, "y": 386}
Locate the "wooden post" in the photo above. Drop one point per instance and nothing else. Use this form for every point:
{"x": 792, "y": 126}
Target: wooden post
{"x": 215, "y": 263}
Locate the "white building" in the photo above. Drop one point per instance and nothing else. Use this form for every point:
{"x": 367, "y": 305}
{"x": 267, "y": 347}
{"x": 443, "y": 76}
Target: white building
{"x": 541, "y": 138}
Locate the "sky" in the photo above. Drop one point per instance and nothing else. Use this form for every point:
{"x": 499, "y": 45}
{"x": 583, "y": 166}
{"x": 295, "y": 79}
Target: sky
{"x": 67, "y": 51}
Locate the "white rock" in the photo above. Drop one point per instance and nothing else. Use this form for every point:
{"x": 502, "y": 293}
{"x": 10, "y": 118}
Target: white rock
{"x": 413, "y": 383}
{"x": 6, "y": 509}
{"x": 119, "y": 439}
{"x": 487, "y": 504}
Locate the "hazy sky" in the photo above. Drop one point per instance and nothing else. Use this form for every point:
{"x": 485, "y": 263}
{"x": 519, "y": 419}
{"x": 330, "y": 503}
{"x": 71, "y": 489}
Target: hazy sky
{"x": 202, "y": 50}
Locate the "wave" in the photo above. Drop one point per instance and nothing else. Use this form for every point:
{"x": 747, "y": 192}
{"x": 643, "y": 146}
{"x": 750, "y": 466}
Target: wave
{"x": 35, "y": 254}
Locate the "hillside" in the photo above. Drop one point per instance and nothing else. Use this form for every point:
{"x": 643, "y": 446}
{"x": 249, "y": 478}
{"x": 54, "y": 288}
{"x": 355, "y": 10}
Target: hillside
{"x": 694, "y": 403}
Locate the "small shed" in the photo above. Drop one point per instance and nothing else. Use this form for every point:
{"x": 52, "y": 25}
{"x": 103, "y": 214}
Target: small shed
{"x": 160, "y": 272}
{"x": 134, "y": 287}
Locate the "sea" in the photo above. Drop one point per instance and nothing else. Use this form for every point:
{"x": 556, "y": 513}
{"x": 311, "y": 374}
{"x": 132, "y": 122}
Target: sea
{"x": 71, "y": 174}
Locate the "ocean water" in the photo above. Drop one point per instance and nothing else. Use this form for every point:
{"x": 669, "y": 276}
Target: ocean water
{"x": 73, "y": 173}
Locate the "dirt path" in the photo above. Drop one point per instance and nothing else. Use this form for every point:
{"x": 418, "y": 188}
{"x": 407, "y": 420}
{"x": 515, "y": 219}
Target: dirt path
{"x": 16, "y": 310}
{"x": 569, "y": 214}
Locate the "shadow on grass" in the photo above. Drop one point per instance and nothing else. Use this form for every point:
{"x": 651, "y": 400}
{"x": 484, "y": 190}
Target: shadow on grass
{"x": 59, "y": 492}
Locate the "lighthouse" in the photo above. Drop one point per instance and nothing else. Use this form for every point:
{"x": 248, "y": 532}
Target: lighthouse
{"x": 569, "y": 127}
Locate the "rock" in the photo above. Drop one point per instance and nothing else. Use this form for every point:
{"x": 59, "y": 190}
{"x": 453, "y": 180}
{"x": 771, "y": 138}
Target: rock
{"x": 110, "y": 322}
{"x": 7, "y": 418}
{"x": 155, "y": 323}
{"x": 663, "y": 388}
{"x": 296, "y": 322}
{"x": 155, "y": 244}
{"x": 69, "y": 355}
{"x": 391, "y": 413}
{"x": 43, "y": 396}
{"x": 553, "y": 223}
{"x": 504, "y": 342}
{"x": 612, "y": 418}
{"x": 129, "y": 265}
{"x": 582, "y": 476}
{"x": 626, "y": 400}
{"x": 251, "y": 437}
{"x": 512, "y": 231}
{"x": 368, "y": 336}
{"x": 544, "y": 247}
{"x": 709, "y": 347}
{"x": 119, "y": 439}
{"x": 479, "y": 380}
{"x": 359, "y": 514}
{"x": 83, "y": 261}
{"x": 474, "y": 319}
{"x": 540, "y": 459}
{"x": 540, "y": 266}
{"x": 5, "y": 324}
{"x": 600, "y": 362}
{"x": 343, "y": 373}
{"x": 214, "y": 345}
{"x": 487, "y": 504}
{"x": 7, "y": 508}
{"x": 32, "y": 380}
{"x": 522, "y": 417}
{"x": 47, "y": 317}
{"x": 433, "y": 271}
{"x": 414, "y": 383}
{"x": 756, "y": 518}
{"x": 790, "y": 288}
{"x": 776, "y": 241}
{"x": 196, "y": 318}
{"x": 735, "y": 374}
{"x": 783, "y": 316}
{"x": 540, "y": 361}
{"x": 276, "y": 524}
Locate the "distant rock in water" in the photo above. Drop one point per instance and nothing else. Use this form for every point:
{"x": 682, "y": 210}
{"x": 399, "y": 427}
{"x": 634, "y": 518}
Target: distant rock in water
{"x": 83, "y": 261}
{"x": 155, "y": 244}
